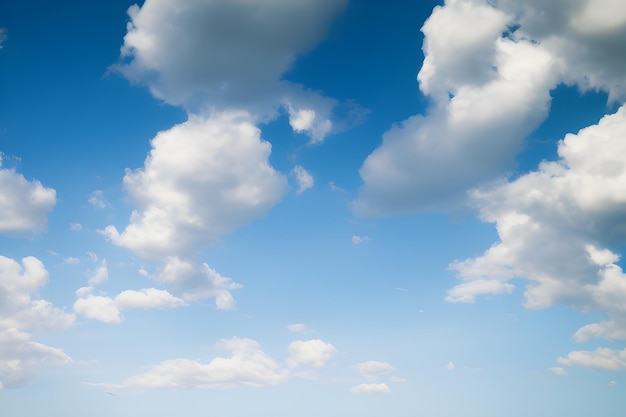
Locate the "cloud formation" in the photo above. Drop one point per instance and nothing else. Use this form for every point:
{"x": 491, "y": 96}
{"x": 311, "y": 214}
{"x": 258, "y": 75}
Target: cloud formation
{"x": 21, "y": 358}
{"x": 25, "y": 204}
{"x": 488, "y": 71}
{"x": 556, "y": 226}
{"x": 381, "y": 388}
{"x": 246, "y": 365}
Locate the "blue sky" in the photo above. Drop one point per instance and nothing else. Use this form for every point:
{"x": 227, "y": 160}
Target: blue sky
{"x": 309, "y": 208}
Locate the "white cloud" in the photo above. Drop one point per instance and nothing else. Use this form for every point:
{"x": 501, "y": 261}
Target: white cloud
{"x": 310, "y": 122}
{"x": 488, "y": 69}
{"x": 97, "y": 307}
{"x": 76, "y": 227}
{"x": 450, "y": 366}
{"x": 101, "y": 274}
{"x": 381, "y": 388}
{"x": 612, "y": 383}
{"x": 108, "y": 310}
{"x": 305, "y": 180}
{"x": 198, "y": 282}
{"x": 335, "y": 188}
{"x": 314, "y": 353}
{"x": 20, "y": 358}
{"x": 298, "y": 328}
{"x": 147, "y": 298}
{"x": 558, "y": 371}
{"x": 3, "y": 37}
{"x": 71, "y": 260}
{"x": 28, "y": 205}
{"x": 374, "y": 369}
{"x": 92, "y": 255}
{"x": 225, "y": 55}
{"x": 97, "y": 199}
{"x": 202, "y": 179}
{"x": 555, "y": 227}
{"x": 357, "y": 240}
{"x": 247, "y": 365}
{"x": 602, "y": 358}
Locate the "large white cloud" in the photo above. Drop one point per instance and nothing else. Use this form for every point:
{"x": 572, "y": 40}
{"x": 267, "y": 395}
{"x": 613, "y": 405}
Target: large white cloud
{"x": 556, "y": 227}
{"x": 488, "y": 70}
{"x": 203, "y": 54}
{"x": 24, "y": 204}
{"x": 21, "y": 358}
{"x": 202, "y": 179}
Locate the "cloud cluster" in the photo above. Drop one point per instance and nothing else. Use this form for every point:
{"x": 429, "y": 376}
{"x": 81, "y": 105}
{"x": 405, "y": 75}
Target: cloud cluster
{"x": 108, "y": 310}
{"x": 21, "y": 358}
{"x": 246, "y": 365}
{"x": 556, "y": 227}
{"x": 375, "y": 371}
{"x": 25, "y": 204}
{"x": 488, "y": 70}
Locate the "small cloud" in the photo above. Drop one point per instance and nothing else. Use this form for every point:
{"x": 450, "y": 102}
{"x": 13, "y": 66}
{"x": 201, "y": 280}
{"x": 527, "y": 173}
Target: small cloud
{"x": 101, "y": 274}
{"x": 381, "y": 388}
{"x": 305, "y": 180}
{"x": 335, "y": 188}
{"x": 450, "y": 366}
{"x": 421, "y": 311}
{"x": 71, "y": 260}
{"x": 397, "y": 379}
{"x": 3, "y": 36}
{"x": 374, "y": 368}
{"x": 558, "y": 370}
{"x": 92, "y": 255}
{"x": 75, "y": 227}
{"x": 314, "y": 353}
{"x": 53, "y": 253}
{"x": 401, "y": 289}
{"x": 143, "y": 272}
{"x": 298, "y": 328}
{"x": 612, "y": 384}
{"x": 357, "y": 240}
{"x": 96, "y": 199}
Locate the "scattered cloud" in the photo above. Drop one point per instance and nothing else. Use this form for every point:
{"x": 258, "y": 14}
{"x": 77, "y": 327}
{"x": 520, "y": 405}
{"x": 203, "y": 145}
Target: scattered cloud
{"x": 70, "y": 260}
{"x": 357, "y": 240}
{"x": 30, "y": 202}
{"x": 374, "y": 369}
{"x": 381, "y": 388}
{"x": 101, "y": 274}
{"x": 314, "y": 353}
{"x": 601, "y": 358}
{"x": 298, "y": 328}
{"x": 558, "y": 371}
{"x": 21, "y": 358}
{"x": 92, "y": 255}
{"x": 147, "y": 298}
{"x": 247, "y": 365}
{"x": 97, "y": 199}
{"x": 97, "y": 307}
{"x": 305, "y": 180}
{"x": 335, "y": 188}
{"x": 3, "y": 37}
{"x": 76, "y": 227}
{"x": 450, "y": 366}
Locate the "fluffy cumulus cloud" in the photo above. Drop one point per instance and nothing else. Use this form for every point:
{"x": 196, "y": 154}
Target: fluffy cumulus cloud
{"x": 314, "y": 353}
{"x": 212, "y": 54}
{"x": 202, "y": 179}
{"x": 488, "y": 70}
{"x": 556, "y": 227}
{"x": 24, "y": 204}
{"x": 21, "y": 358}
{"x": 380, "y": 388}
{"x": 247, "y": 364}
{"x": 602, "y": 358}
